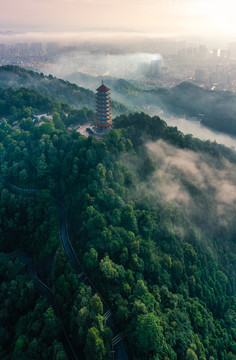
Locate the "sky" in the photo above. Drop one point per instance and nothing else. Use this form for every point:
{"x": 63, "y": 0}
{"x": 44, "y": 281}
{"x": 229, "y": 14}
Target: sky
{"x": 163, "y": 17}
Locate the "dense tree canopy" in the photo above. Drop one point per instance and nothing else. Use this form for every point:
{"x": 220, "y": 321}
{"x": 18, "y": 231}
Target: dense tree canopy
{"x": 58, "y": 89}
{"x": 168, "y": 276}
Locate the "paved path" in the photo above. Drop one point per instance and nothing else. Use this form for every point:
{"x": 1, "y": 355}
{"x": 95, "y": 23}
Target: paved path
{"x": 119, "y": 342}
{"x": 27, "y": 257}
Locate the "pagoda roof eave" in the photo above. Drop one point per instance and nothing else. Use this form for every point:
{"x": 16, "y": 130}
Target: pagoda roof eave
{"x": 103, "y": 88}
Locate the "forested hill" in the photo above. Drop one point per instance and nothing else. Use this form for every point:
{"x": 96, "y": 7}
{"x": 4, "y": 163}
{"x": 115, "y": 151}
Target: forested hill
{"x": 63, "y": 91}
{"x": 218, "y": 108}
{"x": 24, "y": 106}
{"x": 151, "y": 214}
{"x": 16, "y": 77}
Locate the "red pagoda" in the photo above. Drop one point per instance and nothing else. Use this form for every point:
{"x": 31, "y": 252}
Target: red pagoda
{"x": 103, "y": 115}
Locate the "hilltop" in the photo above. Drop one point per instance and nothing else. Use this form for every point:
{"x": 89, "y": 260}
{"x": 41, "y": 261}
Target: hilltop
{"x": 151, "y": 216}
{"x": 216, "y": 109}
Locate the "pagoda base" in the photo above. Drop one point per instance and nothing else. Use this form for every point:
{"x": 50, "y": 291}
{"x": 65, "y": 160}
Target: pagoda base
{"x": 102, "y": 129}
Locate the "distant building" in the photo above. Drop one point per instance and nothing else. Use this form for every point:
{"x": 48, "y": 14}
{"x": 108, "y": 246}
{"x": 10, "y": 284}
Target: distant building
{"x": 103, "y": 109}
{"x": 215, "y": 53}
{"x": 201, "y": 75}
{"x": 232, "y": 50}
{"x": 203, "y": 51}
{"x": 36, "y": 49}
{"x": 52, "y": 48}
{"x": 223, "y": 53}
{"x": 151, "y": 69}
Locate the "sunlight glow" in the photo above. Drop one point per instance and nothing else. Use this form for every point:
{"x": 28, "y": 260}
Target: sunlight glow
{"x": 217, "y": 14}
{"x": 184, "y": 17}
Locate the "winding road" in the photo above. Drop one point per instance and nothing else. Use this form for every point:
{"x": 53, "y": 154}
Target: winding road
{"x": 27, "y": 257}
{"x": 120, "y": 350}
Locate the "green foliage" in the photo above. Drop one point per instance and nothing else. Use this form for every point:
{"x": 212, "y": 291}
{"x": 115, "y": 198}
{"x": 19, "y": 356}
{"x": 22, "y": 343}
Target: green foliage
{"x": 80, "y": 310}
{"x": 32, "y": 329}
{"x": 28, "y": 223}
{"x": 57, "y": 89}
{"x": 94, "y": 348}
{"x": 217, "y": 108}
{"x": 23, "y": 103}
{"x": 82, "y": 116}
{"x": 46, "y": 85}
{"x": 169, "y": 280}
{"x": 148, "y": 336}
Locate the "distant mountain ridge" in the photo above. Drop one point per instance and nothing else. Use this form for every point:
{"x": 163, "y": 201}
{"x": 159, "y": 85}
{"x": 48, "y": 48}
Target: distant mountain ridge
{"x": 217, "y": 108}
{"x": 64, "y": 91}
{"x": 16, "y": 77}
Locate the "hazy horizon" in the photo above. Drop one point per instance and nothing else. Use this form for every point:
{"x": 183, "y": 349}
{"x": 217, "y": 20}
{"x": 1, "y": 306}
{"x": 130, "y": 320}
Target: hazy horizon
{"x": 73, "y": 19}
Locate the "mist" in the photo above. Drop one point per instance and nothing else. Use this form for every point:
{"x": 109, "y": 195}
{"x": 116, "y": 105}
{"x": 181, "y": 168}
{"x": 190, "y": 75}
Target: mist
{"x": 205, "y": 18}
{"x": 194, "y": 127}
{"x": 148, "y": 103}
{"x": 101, "y": 63}
{"x": 201, "y": 186}
{"x": 71, "y": 36}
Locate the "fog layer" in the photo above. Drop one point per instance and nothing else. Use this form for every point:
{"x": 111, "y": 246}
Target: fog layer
{"x": 202, "y": 186}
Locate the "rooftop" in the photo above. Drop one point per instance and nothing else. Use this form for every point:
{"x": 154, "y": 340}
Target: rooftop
{"x": 102, "y": 88}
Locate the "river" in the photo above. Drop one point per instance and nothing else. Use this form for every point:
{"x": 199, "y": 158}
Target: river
{"x": 190, "y": 126}
{"x": 196, "y": 128}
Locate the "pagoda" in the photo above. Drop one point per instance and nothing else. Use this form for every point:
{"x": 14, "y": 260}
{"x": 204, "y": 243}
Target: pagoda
{"x": 103, "y": 109}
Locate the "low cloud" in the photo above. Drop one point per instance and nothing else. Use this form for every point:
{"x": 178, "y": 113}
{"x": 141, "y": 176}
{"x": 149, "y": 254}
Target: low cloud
{"x": 202, "y": 186}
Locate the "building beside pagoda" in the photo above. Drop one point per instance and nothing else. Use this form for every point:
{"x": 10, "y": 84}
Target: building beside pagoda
{"x": 103, "y": 120}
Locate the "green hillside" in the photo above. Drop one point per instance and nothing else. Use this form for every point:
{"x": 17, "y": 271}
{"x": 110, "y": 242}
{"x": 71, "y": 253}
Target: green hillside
{"x": 58, "y": 89}
{"x": 217, "y": 108}
{"x": 151, "y": 215}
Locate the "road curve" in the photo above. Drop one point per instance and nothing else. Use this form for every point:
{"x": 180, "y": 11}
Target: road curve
{"x": 27, "y": 257}
{"x": 120, "y": 348}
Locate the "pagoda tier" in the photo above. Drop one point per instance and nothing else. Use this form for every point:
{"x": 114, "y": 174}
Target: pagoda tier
{"x": 103, "y": 97}
{"x": 103, "y": 115}
{"x": 103, "y": 94}
{"x": 105, "y": 101}
{"x": 103, "y": 104}
{"x": 103, "y": 108}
